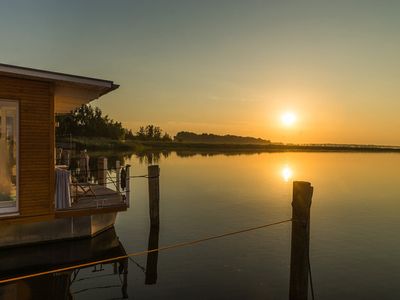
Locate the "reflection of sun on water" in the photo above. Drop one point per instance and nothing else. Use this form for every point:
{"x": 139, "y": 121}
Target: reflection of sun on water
{"x": 287, "y": 173}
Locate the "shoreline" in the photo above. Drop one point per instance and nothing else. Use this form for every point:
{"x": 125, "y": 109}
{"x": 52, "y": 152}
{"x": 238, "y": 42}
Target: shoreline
{"x": 79, "y": 143}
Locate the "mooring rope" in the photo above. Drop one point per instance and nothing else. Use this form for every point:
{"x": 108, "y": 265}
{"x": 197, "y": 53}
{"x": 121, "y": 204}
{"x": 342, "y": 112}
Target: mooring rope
{"x": 168, "y": 247}
{"x": 137, "y": 264}
{"x": 143, "y": 176}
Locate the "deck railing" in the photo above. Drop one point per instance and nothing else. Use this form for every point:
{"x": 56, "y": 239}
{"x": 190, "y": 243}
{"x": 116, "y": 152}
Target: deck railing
{"x": 94, "y": 188}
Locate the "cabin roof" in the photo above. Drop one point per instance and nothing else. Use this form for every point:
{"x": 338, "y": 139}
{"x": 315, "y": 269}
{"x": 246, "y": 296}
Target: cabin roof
{"x": 70, "y": 91}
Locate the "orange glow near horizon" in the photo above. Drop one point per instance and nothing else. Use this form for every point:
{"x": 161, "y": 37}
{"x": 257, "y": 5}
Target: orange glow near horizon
{"x": 284, "y": 71}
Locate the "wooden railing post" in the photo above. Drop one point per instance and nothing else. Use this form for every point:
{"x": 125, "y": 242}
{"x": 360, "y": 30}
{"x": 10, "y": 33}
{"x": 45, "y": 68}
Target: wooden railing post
{"x": 154, "y": 194}
{"x": 299, "y": 259}
{"x": 66, "y": 157}
{"x": 102, "y": 170}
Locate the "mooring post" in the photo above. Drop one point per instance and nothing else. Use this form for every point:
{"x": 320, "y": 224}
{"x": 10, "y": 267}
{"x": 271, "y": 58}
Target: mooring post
{"x": 152, "y": 257}
{"x": 127, "y": 184}
{"x": 102, "y": 170}
{"x": 299, "y": 259}
{"x": 154, "y": 206}
{"x": 154, "y": 194}
{"x": 117, "y": 175}
{"x": 123, "y": 269}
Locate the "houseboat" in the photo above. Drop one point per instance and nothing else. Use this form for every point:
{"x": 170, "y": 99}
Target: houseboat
{"x": 39, "y": 200}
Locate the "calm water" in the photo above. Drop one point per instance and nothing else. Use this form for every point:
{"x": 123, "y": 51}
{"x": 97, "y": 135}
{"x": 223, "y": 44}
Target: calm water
{"x": 355, "y": 248}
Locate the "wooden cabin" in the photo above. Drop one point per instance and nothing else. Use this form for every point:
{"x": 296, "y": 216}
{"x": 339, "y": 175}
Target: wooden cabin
{"x": 29, "y": 100}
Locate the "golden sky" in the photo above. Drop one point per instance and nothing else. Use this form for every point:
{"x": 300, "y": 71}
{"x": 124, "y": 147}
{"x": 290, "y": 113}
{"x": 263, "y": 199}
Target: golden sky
{"x": 225, "y": 66}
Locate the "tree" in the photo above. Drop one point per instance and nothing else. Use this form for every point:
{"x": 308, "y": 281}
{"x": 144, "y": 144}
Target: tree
{"x": 141, "y": 134}
{"x": 166, "y": 137}
{"x": 149, "y": 132}
{"x": 157, "y": 133}
{"x": 152, "y": 133}
{"x": 89, "y": 121}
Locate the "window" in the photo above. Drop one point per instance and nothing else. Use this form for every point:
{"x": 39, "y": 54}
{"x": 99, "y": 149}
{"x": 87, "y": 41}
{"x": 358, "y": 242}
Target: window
{"x": 8, "y": 156}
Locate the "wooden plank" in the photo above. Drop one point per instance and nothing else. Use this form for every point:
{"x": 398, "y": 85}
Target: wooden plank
{"x": 23, "y": 219}
{"x": 88, "y": 212}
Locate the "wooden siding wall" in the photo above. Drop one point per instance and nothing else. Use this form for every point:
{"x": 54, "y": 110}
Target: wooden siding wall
{"x": 36, "y": 144}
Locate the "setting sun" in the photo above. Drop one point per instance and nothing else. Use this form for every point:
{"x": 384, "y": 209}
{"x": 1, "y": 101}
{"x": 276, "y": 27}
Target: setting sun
{"x": 288, "y": 118}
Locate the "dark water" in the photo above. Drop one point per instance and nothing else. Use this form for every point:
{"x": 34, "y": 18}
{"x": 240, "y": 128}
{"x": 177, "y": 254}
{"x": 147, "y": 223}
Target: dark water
{"x": 355, "y": 248}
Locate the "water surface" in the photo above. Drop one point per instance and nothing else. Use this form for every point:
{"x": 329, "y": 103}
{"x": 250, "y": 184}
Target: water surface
{"x": 354, "y": 245}
{"x": 355, "y": 251}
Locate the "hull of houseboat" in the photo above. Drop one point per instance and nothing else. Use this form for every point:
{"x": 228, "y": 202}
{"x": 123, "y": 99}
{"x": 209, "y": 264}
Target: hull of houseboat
{"x": 14, "y": 234}
{"x": 28, "y": 262}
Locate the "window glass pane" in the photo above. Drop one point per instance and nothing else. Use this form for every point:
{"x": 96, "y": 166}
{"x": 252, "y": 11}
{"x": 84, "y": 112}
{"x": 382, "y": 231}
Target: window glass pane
{"x": 8, "y": 156}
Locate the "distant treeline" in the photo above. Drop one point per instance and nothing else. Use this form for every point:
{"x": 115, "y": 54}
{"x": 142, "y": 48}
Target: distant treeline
{"x": 88, "y": 121}
{"x": 190, "y": 137}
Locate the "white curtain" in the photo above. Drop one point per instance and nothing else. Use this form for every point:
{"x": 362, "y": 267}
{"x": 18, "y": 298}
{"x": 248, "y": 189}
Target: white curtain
{"x": 62, "y": 193}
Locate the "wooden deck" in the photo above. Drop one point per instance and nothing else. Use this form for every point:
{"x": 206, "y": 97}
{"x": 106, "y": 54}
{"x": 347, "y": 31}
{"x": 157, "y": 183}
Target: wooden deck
{"x": 94, "y": 196}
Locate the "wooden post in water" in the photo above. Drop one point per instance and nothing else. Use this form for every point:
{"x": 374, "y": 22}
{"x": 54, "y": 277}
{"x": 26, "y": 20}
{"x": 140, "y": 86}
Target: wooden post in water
{"x": 126, "y": 183}
{"x": 154, "y": 194}
{"x": 102, "y": 170}
{"x": 152, "y": 257}
{"x": 299, "y": 260}
{"x": 117, "y": 175}
{"x": 154, "y": 209}
{"x": 123, "y": 269}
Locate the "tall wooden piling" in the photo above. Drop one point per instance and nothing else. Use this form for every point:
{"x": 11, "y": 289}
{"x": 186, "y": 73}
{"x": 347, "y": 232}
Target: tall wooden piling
{"x": 124, "y": 287}
{"x": 299, "y": 259}
{"x": 154, "y": 194}
{"x": 117, "y": 175}
{"x": 102, "y": 170}
{"x": 154, "y": 209}
{"x": 127, "y": 184}
{"x": 152, "y": 257}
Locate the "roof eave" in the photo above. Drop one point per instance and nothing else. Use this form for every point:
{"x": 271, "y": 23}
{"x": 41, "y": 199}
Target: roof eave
{"x": 45, "y": 75}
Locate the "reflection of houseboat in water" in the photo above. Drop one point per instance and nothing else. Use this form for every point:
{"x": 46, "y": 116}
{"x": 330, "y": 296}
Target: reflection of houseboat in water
{"x": 69, "y": 283}
{"x": 39, "y": 201}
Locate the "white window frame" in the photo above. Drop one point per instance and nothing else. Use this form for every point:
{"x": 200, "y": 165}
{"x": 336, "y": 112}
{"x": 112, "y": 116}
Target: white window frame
{"x": 14, "y": 209}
